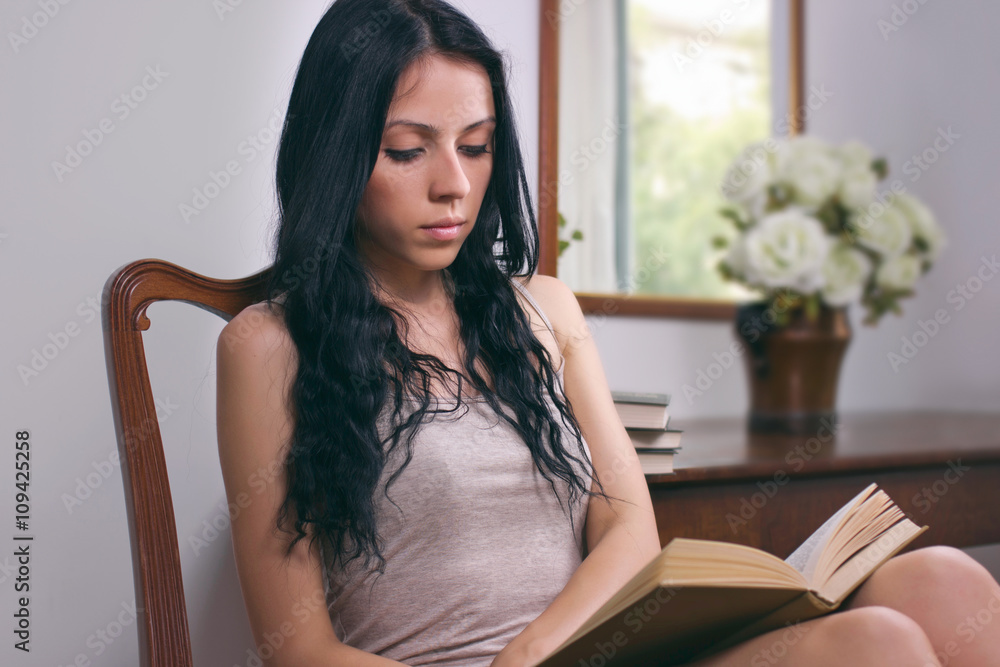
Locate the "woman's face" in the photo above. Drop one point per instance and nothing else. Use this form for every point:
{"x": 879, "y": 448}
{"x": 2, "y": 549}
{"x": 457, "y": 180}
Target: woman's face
{"x": 434, "y": 164}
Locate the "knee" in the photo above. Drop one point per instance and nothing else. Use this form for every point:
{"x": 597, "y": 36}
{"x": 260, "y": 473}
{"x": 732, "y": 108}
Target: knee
{"x": 944, "y": 567}
{"x": 877, "y": 636}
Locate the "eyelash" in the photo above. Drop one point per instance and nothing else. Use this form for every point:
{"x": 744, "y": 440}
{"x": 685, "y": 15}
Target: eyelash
{"x": 406, "y": 156}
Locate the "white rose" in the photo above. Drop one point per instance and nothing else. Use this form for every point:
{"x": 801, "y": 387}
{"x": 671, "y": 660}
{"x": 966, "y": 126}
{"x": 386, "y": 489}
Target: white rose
{"x": 899, "y": 273}
{"x": 855, "y": 155}
{"x": 810, "y": 167}
{"x": 857, "y": 188}
{"x": 787, "y": 250}
{"x": 748, "y": 176}
{"x": 922, "y": 224}
{"x": 888, "y": 233}
{"x": 845, "y": 272}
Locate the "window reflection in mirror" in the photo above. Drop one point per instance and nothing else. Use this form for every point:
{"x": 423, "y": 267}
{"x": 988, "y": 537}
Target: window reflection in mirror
{"x": 697, "y": 82}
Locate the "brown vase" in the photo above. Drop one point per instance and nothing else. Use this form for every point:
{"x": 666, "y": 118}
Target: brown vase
{"x": 793, "y": 369}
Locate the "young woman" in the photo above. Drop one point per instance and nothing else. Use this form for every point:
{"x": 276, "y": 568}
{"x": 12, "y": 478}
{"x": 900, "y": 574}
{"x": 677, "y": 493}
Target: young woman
{"x": 419, "y": 431}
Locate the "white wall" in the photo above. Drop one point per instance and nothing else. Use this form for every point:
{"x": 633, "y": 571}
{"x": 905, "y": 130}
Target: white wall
{"x": 226, "y": 77}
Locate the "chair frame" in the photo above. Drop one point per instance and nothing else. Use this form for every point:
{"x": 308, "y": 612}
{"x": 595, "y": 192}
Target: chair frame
{"x": 164, "y": 638}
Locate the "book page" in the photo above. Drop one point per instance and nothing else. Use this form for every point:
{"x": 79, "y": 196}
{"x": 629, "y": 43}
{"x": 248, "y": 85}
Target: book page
{"x": 806, "y": 557}
{"x": 869, "y": 559}
{"x": 876, "y": 515}
{"x": 687, "y": 563}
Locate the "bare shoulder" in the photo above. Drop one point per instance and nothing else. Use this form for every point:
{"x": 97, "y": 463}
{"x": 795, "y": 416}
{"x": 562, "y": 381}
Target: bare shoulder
{"x": 258, "y": 331}
{"x": 560, "y": 305}
{"x": 256, "y": 365}
{"x": 255, "y": 423}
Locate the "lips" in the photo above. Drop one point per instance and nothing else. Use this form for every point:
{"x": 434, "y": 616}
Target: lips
{"x": 444, "y": 230}
{"x": 446, "y": 222}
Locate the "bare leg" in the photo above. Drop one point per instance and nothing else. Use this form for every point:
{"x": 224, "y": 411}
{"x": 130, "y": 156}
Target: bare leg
{"x": 953, "y": 598}
{"x": 934, "y": 607}
{"x": 867, "y": 637}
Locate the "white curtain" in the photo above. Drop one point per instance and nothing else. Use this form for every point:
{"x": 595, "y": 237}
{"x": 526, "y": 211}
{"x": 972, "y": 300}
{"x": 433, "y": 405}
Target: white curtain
{"x": 589, "y": 134}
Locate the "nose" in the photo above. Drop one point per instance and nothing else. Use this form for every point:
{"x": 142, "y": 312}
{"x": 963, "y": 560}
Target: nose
{"x": 448, "y": 180}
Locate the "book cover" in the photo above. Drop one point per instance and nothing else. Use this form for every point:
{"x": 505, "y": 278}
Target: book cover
{"x": 644, "y": 439}
{"x": 657, "y": 462}
{"x": 645, "y": 398}
{"x": 639, "y": 416}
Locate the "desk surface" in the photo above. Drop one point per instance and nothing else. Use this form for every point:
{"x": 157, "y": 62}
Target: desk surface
{"x": 771, "y": 492}
{"x": 721, "y": 449}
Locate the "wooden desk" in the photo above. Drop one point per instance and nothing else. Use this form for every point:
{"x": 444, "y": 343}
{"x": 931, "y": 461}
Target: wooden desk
{"x": 772, "y": 492}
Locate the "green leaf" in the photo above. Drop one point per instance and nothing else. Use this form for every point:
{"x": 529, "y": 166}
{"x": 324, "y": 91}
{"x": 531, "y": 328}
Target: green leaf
{"x": 812, "y": 306}
{"x": 829, "y": 215}
{"x": 881, "y": 167}
{"x": 843, "y": 216}
{"x": 778, "y": 196}
{"x": 733, "y": 214}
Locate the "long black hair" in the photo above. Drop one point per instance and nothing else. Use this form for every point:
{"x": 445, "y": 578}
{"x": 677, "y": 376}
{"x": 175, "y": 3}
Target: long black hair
{"x": 350, "y": 356}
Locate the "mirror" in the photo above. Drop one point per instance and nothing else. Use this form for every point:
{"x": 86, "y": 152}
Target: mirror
{"x": 627, "y": 209}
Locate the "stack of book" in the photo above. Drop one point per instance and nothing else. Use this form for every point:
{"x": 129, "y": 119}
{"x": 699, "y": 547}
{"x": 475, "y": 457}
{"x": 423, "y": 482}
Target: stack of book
{"x": 645, "y": 418}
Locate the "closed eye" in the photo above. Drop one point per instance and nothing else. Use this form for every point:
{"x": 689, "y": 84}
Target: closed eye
{"x": 476, "y": 151}
{"x": 401, "y": 156}
{"x": 406, "y": 156}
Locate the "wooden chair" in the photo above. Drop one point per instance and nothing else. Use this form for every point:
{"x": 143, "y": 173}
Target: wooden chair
{"x": 164, "y": 640}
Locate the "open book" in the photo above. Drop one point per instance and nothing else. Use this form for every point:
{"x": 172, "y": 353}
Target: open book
{"x": 699, "y": 596}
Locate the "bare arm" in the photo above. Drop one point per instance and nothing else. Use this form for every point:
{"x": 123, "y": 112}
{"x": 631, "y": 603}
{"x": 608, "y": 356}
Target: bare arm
{"x": 619, "y": 544}
{"x": 285, "y": 599}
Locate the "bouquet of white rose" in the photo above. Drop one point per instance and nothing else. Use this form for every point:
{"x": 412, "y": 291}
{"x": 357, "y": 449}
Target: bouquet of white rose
{"x": 814, "y": 230}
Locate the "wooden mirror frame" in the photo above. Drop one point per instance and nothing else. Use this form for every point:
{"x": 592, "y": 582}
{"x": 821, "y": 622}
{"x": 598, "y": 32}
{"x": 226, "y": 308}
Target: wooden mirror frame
{"x": 548, "y": 173}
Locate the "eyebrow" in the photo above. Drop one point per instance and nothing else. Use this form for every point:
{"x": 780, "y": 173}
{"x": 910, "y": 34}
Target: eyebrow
{"x": 435, "y": 131}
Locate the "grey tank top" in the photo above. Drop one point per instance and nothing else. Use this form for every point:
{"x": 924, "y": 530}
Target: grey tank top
{"x": 478, "y": 547}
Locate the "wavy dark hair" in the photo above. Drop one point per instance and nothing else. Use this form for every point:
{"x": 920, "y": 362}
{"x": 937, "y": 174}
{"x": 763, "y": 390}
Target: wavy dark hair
{"x": 350, "y": 356}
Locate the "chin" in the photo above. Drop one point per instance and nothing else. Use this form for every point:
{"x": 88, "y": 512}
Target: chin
{"x": 433, "y": 261}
